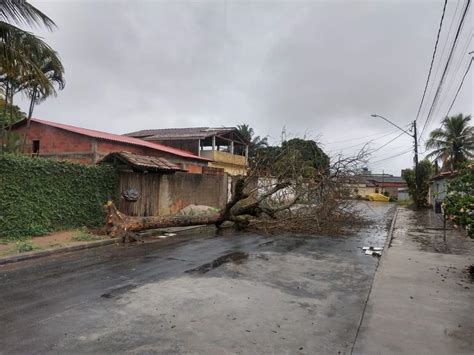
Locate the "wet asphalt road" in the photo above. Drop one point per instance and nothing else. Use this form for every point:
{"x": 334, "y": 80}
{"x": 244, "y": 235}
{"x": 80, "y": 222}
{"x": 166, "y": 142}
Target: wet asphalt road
{"x": 213, "y": 294}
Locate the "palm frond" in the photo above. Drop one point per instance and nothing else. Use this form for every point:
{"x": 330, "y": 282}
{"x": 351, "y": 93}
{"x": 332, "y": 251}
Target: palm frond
{"x": 22, "y": 12}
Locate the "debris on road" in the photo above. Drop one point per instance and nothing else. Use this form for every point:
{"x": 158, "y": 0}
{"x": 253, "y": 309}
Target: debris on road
{"x": 372, "y": 248}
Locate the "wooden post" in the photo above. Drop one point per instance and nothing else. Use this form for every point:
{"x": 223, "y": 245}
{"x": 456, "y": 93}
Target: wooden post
{"x": 213, "y": 143}
{"x": 232, "y": 147}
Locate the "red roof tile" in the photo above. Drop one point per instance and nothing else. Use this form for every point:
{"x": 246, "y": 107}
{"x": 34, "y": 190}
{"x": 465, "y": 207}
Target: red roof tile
{"x": 121, "y": 139}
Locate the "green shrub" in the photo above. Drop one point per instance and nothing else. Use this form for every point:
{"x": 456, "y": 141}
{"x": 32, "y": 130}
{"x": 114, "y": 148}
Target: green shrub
{"x": 24, "y": 245}
{"x": 459, "y": 203}
{"x": 38, "y": 196}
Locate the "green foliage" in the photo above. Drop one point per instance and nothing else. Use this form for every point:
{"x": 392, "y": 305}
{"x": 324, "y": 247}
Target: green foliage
{"x": 459, "y": 203}
{"x": 255, "y": 142}
{"x": 10, "y": 114}
{"x": 453, "y": 143}
{"x": 296, "y": 157}
{"x": 39, "y": 196}
{"x": 24, "y": 245}
{"x": 82, "y": 235}
{"x": 425, "y": 170}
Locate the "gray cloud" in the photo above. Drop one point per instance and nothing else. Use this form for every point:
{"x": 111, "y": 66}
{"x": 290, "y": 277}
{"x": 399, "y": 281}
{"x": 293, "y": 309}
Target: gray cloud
{"x": 316, "y": 68}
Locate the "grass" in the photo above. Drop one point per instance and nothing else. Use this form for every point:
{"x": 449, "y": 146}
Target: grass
{"x": 82, "y": 235}
{"x": 24, "y": 246}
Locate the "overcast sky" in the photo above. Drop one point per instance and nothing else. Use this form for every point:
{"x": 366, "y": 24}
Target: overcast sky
{"x": 316, "y": 69}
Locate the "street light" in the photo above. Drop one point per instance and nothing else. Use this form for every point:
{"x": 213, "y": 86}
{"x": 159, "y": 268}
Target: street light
{"x": 393, "y": 124}
{"x": 414, "y": 136}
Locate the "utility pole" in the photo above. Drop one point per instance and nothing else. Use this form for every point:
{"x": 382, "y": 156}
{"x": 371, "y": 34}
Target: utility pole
{"x": 415, "y": 137}
{"x": 417, "y": 173}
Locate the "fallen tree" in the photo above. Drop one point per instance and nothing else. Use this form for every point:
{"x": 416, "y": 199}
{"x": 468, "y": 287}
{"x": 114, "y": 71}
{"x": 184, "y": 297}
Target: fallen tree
{"x": 294, "y": 197}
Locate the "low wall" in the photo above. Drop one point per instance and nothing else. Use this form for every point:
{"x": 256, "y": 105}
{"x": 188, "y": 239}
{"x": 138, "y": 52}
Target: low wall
{"x": 161, "y": 194}
{"x": 182, "y": 189}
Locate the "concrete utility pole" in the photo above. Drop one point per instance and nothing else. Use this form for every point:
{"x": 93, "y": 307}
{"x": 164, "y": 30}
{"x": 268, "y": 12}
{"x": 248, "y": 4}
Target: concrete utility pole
{"x": 417, "y": 173}
{"x": 415, "y": 137}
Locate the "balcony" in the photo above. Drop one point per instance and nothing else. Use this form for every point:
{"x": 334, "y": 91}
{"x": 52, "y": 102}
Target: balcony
{"x": 224, "y": 157}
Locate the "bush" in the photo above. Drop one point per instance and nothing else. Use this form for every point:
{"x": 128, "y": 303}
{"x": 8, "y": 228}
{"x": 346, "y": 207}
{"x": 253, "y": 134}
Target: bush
{"x": 24, "y": 246}
{"x": 459, "y": 203}
{"x": 38, "y": 196}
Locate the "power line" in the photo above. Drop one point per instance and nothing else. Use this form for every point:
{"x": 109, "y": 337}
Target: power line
{"x": 448, "y": 62}
{"x": 432, "y": 58}
{"x": 365, "y": 143}
{"x": 372, "y": 135}
{"x": 460, "y": 86}
{"x": 390, "y": 141}
{"x": 457, "y": 68}
{"x": 355, "y": 139}
{"x": 392, "y": 156}
{"x": 444, "y": 48}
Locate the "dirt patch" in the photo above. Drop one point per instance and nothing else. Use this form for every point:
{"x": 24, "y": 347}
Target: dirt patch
{"x": 50, "y": 241}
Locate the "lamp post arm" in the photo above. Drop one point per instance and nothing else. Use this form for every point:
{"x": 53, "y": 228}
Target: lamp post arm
{"x": 393, "y": 124}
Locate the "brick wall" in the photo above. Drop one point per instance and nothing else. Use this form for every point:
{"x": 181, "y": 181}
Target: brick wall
{"x": 60, "y": 144}
{"x": 57, "y": 143}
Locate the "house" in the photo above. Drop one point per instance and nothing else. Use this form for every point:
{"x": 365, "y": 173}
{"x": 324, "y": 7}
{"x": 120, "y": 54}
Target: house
{"x": 439, "y": 188}
{"x": 224, "y": 146}
{"x": 87, "y": 146}
{"x": 386, "y": 183}
{"x": 368, "y": 183}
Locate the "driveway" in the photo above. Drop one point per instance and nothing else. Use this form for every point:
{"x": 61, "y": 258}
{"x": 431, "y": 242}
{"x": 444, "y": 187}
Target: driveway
{"x": 209, "y": 293}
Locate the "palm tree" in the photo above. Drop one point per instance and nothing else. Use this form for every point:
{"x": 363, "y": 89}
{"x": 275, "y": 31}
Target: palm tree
{"x": 27, "y": 63}
{"x": 53, "y": 70}
{"x": 248, "y": 133}
{"x": 16, "y": 44}
{"x": 453, "y": 143}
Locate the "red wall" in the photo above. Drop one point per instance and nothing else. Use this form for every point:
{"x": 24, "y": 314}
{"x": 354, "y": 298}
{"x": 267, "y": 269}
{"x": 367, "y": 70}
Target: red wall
{"x": 63, "y": 145}
{"x": 58, "y": 143}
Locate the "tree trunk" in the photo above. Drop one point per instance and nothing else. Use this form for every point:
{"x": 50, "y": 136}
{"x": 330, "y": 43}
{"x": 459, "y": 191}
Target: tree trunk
{"x": 3, "y": 136}
{"x": 28, "y": 120}
{"x": 117, "y": 223}
{"x": 239, "y": 210}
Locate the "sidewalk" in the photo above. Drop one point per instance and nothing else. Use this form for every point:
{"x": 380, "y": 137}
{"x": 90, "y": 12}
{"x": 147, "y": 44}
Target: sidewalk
{"x": 422, "y": 298}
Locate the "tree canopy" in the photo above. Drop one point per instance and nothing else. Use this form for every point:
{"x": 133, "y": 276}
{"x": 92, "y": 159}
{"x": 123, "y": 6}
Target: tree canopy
{"x": 425, "y": 170}
{"x": 28, "y": 64}
{"x": 453, "y": 143}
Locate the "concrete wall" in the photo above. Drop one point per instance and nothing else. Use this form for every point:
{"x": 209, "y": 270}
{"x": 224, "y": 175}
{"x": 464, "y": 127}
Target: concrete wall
{"x": 161, "y": 195}
{"x": 183, "y": 189}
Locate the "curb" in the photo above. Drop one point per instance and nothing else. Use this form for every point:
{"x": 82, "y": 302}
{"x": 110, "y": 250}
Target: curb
{"x": 48, "y": 252}
{"x": 99, "y": 243}
{"x": 387, "y": 244}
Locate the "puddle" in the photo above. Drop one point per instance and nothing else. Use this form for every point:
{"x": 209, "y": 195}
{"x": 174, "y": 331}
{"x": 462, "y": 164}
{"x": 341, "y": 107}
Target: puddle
{"x": 235, "y": 257}
{"x": 118, "y": 290}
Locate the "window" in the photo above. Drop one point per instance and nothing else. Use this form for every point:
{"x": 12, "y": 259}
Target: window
{"x": 36, "y": 146}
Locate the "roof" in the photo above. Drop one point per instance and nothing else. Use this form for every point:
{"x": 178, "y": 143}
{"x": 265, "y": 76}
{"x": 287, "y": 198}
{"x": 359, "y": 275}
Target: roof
{"x": 142, "y": 162}
{"x": 385, "y": 179}
{"x": 449, "y": 174}
{"x": 184, "y": 133}
{"x": 116, "y": 138}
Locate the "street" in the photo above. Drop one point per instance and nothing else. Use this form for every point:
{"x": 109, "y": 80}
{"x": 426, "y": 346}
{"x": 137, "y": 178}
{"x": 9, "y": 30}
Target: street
{"x": 208, "y": 293}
